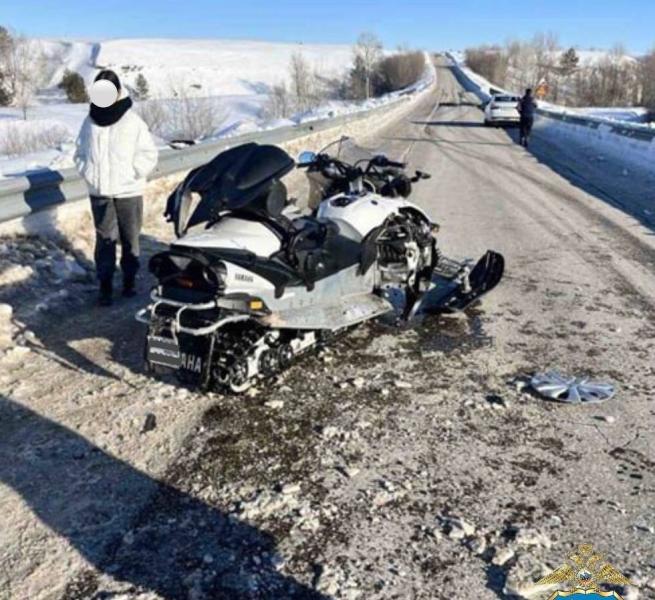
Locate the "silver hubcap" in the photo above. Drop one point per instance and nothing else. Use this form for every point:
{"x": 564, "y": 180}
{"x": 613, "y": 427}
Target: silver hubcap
{"x": 571, "y": 389}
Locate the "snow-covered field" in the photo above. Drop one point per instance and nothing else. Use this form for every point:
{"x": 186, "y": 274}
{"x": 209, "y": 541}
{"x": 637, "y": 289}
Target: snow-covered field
{"x": 215, "y": 67}
{"x": 234, "y": 76}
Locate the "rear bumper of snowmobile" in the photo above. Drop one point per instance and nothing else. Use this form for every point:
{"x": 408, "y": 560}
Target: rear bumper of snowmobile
{"x": 222, "y": 309}
{"x": 147, "y": 314}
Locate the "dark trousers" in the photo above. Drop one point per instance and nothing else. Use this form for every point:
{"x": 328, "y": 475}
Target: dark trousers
{"x": 526, "y": 129}
{"x": 114, "y": 219}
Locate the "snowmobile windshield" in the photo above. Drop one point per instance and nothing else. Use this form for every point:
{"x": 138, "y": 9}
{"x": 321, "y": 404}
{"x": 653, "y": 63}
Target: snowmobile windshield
{"x": 349, "y": 151}
{"x": 241, "y": 178}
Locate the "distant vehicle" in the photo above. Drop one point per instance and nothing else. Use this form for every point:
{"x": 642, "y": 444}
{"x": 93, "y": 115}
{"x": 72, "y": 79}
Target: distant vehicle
{"x": 502, "y": 110}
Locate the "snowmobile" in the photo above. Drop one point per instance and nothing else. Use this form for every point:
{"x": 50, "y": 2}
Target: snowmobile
{"x": 248, "y": 285}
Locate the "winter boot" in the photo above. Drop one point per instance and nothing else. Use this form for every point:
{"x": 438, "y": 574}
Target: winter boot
{"x": 106, "y": 292}
{"x": 129, "y": 288}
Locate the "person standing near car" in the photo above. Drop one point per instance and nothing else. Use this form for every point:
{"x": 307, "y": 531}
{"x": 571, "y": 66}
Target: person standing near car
{"x": 114, "y": 154}
{"x": 527, "y": 108}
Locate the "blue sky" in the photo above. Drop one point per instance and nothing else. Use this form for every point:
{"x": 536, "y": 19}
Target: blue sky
{"x": 436, "y": 24}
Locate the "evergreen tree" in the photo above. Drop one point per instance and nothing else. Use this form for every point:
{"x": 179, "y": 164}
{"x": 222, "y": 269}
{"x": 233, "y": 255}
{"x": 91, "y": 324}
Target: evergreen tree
{"x": 142, "y": 90}
{"x": 5, "y": 95}
{"x": 73, "y": 84}
{"x": 358, "y": 79}
{"x": 569, "y": 62}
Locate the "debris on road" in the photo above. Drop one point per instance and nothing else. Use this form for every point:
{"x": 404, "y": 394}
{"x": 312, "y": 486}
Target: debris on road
{"x": 402, "y": 385}
{"x": 457, "y": 528}
{"x": 571, "y": 390}
{"x": 150, "y": 423}
{"x": 274, "y": 404}
{"x": 609, "y": 419}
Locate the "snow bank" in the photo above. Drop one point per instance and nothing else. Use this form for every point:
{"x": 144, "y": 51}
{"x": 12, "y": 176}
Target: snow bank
{"x": 600, "y": 130}
{"x": 630, "y": 144}
{"x": 629, "y": 114}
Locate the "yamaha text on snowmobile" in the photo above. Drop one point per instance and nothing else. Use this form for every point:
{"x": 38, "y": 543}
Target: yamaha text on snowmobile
{"x": 249, "y": 285}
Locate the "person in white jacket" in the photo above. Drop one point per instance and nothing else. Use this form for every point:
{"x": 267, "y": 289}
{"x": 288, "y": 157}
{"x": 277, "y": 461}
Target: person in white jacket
{"x": 114, "y": 154}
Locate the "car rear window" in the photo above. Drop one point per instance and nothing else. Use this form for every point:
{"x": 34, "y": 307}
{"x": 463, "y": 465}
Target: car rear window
{"x": 506, "y": 99}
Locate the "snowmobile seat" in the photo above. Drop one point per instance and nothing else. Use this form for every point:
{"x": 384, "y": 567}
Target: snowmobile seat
{"x": 276, "y": 199}
{"x": 268, "y": 210}
{"x": 316, "y": 249}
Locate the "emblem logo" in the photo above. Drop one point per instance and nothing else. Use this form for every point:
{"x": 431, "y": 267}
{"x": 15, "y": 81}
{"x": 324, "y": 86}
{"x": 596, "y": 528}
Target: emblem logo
{"x": 586, "y": 572}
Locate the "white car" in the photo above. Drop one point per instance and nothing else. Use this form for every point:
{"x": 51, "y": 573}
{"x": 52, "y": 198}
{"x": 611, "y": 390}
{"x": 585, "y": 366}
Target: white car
{"x": 502, "y": 109}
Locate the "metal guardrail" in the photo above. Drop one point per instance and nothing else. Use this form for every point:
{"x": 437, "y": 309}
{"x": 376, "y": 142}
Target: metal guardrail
{"x": 40, "y": 190}
{"x": 634, "y": 131}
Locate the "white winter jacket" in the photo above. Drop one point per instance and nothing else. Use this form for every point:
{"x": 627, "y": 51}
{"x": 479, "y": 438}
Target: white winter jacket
{"x": 115, "y": 160}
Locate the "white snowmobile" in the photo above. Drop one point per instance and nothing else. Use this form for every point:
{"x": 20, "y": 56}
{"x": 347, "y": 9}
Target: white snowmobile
{"x": 248, "y": 286}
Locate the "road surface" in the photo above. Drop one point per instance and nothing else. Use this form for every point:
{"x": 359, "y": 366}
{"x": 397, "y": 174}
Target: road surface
{"x": 405, "y": 464}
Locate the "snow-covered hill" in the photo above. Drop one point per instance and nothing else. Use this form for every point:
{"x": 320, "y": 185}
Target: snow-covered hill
{"x": 67, "y": 55}
{"x": 215, "y": 67}
{"x": 236, "y": 75}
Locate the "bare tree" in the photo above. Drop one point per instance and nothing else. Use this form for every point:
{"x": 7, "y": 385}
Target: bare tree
{"x": 489, "y": 61}
{"x": 401, "y": 70}
{"x": 545, "y": 47}
{"x": 613, "y": 81}
{"x": 6, "y": 46}
{"x": 190, "y": 116}
{"x": 647, "y": 80}
{"x": 303, "y": 82}
{"x": 279, "y": 104}
{"x": 155, "y": 114}
{"x": 5, "y": 41}
{"x": 24, "y": 70}
{"x": 368, "y": 51}
{"x": 21, "y": 138}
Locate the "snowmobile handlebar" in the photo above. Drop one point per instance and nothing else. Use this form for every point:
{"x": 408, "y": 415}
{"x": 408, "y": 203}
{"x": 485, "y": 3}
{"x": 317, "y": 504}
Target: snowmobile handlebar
{"x": 331, "y": 167}
{"x": 383, "y": 162}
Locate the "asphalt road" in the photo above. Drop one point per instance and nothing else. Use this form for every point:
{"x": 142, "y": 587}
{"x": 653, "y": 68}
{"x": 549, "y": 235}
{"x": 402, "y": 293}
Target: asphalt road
{"x": 398, "y": 464}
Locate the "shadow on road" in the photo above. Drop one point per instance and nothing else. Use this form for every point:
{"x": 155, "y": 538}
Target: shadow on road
{"x": 465, "y": 124}
{"x": 175, "y": 545}
{"x": 66, "y": 321}
{"x": 452, "y": 104}
{"x": 438, "y": 141}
